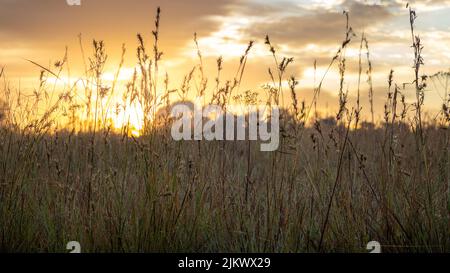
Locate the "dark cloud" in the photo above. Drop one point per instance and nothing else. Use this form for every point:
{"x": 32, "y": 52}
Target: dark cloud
{"x": 321, "y": 26}
{"x": 50, "y": 22}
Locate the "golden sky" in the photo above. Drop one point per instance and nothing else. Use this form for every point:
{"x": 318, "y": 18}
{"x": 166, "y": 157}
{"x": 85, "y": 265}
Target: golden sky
{"x": 307, "y": 30}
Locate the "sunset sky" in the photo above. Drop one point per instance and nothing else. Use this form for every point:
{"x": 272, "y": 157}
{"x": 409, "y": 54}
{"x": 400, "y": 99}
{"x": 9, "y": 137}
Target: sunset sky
{"x": 307, "y": 30}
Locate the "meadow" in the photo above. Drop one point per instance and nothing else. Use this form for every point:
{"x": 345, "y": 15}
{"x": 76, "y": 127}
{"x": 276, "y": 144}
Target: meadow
{"x": 334, "y": 184}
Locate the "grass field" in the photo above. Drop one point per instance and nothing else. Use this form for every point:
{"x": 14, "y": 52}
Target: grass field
{"x": 334, "y": 184}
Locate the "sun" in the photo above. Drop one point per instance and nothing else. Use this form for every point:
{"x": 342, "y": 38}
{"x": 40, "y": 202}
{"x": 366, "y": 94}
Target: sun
{"x": 130, "y": 117}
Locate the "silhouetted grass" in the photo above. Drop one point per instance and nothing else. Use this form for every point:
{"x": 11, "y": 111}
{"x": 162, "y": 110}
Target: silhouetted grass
{"x": 331, "y": 186}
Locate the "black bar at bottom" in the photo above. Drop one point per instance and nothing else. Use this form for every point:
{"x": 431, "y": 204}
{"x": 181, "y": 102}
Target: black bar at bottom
{"x": 224, "y": 262}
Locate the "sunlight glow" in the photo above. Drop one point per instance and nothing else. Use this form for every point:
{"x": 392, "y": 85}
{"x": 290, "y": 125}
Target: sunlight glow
{"x": 230, "y": 40}
{"x": 125, "y": 74}
{"x": 131, "y": 118}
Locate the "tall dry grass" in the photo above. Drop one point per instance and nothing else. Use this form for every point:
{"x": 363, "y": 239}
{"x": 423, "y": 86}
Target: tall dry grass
{"x": 334, "y": 184}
